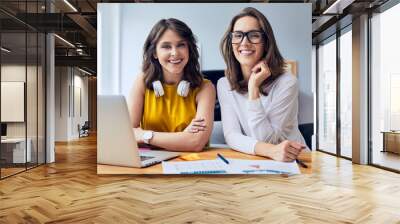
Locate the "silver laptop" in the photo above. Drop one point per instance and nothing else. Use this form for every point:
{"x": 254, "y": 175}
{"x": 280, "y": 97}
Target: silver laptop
{"x": 116, "y": 143}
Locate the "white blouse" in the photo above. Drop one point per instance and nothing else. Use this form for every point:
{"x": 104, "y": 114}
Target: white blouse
{"x": 270, "y": 119}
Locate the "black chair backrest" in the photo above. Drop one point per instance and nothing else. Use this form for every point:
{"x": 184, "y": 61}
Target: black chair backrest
{"x": 307, "y": 131}
{"x": 86, "y": 125}
{"x": 214, "y": 76}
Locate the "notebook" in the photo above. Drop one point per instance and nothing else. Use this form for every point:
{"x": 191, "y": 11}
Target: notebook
{"x": 235, "y": 166}
{"x": 195, "y": 167}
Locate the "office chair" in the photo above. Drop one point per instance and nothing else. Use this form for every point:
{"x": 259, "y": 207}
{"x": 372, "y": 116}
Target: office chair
{"x": 214, "y": 76}
{"x": 217, "y": 136}
{"x": 84, "y": 130}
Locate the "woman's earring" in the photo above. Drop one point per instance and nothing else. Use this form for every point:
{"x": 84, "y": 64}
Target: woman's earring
{"x": 158, "y": 89}
{"x": 183, "y": 88}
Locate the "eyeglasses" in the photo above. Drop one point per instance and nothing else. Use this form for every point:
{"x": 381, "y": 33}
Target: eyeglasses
{"x": 254, "y": 36}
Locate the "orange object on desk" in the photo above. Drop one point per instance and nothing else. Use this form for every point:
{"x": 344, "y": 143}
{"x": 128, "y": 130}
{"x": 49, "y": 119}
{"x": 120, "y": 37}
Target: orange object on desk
{"x": 191, "y": 157}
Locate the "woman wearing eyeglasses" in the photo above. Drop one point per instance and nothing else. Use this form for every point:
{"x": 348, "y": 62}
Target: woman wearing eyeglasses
{"x": 259, "y": 100}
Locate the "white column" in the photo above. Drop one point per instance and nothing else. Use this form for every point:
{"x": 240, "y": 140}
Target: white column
{"x": 50, "y": 99}
{"x": 360, "y": 90}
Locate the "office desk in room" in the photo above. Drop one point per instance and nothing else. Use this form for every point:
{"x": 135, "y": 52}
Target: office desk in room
{"x": 19, "y": 155}
{"x": 391, "y": 141}
{"x": 207, "y": 154}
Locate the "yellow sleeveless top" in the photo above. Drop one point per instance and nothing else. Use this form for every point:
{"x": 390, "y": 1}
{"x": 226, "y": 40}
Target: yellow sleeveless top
{"x": 170, "y": 112}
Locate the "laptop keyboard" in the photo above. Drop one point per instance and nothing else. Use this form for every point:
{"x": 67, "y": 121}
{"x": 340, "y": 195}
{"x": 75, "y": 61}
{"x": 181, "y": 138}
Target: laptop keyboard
{"x": 143, "y": 158}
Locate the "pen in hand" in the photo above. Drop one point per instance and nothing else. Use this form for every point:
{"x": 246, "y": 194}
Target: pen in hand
{"x": 302, "y": 164}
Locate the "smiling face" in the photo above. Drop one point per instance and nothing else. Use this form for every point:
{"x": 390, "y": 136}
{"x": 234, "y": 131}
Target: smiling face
{"x": 247, "y": 54}
{"x": 172, "y": 52}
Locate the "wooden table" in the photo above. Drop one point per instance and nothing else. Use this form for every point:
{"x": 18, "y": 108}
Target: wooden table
{"x": 391, "y": 141}
{"x": 210, "y": 153}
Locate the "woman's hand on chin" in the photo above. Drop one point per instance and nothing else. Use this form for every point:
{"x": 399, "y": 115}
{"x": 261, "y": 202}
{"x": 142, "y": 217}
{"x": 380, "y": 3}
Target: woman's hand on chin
{"x": 260, "y": 72}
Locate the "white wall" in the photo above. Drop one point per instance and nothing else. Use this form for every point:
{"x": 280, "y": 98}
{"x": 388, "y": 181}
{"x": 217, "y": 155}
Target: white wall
{"x": 123, "y": 28}
{"x": 80, "y": 109}
{"x": 67, "y": 117}
{"x": 33, "y": 126}
{"x": 108, "y": 62}
{"x": 61, "y": 103}
{"x": 16, "y": 72}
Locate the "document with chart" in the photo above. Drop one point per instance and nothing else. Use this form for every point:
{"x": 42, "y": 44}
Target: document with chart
{"x": 243, "y": 166}
{"x": 235, "y": 166}
{"x": 195, "y": 167}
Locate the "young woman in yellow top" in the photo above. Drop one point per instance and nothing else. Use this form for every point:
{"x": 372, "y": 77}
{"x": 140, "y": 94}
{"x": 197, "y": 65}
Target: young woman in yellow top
{"x": 171, "y": 105}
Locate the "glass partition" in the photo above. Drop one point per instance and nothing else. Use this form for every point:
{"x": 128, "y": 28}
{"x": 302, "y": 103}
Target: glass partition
{"x": 385, "y": 89}
{"x": 22, "y": 63}
{"x": 13, "y": 105}
{"x": 327, "y": 95}
{"x": 41, "y": 107}
{"x": 31, "y": 100}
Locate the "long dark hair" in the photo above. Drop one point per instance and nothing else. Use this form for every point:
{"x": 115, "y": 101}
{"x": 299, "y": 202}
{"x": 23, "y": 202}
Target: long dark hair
{"x": 151, "y": 67}
{"x": 271, "y": 54}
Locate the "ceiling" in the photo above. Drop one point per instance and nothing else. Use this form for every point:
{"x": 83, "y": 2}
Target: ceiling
{"x": 76, "y": 22}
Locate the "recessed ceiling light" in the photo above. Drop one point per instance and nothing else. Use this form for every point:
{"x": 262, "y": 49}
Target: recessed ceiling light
{"x": 5, "y": 50}
{"x": 338, "y": 6}
{"x": 84, "y": 71}
{"x": 70, "y": 5}
{"x": 64, "y": 40}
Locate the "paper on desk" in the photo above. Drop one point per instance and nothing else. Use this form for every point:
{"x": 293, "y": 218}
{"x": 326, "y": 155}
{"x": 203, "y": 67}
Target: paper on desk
{"x": 195, "y": 167}
{"x": 242, "y": 166}
{"x": 235, "y": 166}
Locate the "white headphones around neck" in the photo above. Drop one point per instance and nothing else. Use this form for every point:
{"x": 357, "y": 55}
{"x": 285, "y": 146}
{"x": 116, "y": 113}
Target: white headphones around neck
{"x": 182, "y": 90}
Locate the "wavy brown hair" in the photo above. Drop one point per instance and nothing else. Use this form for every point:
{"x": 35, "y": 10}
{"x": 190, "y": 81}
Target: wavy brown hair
{"x": 151, "y": 67}
{"x": 271, "y": 54}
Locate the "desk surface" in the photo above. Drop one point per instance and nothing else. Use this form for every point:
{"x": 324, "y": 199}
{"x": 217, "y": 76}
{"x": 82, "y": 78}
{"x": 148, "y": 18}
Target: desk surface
{"x": 13, "y": 140}
{"x": 391, "y": 132}
{"x": 207, "y": 154}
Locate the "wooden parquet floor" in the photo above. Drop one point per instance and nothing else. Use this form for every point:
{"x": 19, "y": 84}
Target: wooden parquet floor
{"x": 70, "y": 191}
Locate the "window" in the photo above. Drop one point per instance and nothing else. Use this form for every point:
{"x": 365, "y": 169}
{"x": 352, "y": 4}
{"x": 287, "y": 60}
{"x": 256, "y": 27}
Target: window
{"x": 346, "y": 75}
{"x": 327, "y": 95}
{"x": 385, "y": 89}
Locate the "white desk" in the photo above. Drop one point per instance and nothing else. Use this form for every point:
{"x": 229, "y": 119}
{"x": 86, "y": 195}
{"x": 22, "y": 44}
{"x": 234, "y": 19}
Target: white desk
{"x": 18, "y": 151}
